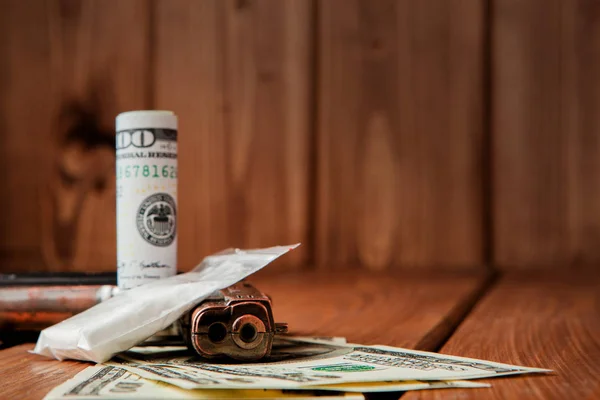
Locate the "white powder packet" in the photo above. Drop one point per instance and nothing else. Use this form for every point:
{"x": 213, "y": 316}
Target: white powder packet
{"x": 132, "y": 316}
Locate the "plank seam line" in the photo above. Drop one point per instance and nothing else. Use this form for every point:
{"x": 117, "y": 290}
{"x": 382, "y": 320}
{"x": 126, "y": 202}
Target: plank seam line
{"x": 437, "y": 337}
{"x": 313, "y": 126}
{"x": 487, "y": 145}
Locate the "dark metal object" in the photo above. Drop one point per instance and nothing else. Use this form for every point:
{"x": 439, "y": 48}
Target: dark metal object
{"x": 237, "y": 322}
{"x": 33, "y": 301}
{"x": 58, "y": 279}
{"x": 33, "y": 308}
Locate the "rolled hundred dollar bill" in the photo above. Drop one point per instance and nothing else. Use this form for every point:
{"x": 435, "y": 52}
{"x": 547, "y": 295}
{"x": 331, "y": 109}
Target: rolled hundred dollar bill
{"x": 146, "y": 169}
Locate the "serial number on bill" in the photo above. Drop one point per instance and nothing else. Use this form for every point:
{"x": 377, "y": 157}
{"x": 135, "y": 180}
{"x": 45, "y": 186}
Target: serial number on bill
{"x": 146, "y": 171}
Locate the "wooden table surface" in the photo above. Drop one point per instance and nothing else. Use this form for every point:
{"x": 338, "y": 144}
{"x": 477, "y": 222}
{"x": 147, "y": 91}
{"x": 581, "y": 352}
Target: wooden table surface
{"x": 552, "y": 323}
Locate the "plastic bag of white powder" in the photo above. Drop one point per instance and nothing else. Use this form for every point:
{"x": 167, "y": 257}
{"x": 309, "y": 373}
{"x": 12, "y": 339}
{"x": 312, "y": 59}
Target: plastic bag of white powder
{"x": 132, "y": 316}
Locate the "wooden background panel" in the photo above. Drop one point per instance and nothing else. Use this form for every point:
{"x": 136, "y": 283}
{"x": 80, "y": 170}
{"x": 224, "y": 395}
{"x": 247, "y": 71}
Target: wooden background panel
{"x": 70, "y": 66}
{"x": 545, "y": 129}
{"x": 24, "y": 112}
{"x": 238, "y": 75}
{"x": 400, "y": 133}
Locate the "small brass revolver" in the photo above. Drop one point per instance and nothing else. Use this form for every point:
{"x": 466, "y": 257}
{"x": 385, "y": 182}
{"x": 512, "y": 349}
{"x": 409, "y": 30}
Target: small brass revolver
{"x": 236, "y": 322}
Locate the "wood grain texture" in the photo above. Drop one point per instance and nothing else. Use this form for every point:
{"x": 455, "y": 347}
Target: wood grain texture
{"x": 237, "y": 73}
{"x": 370, "y": 308}
{"x": 364, "y": 307}
{"x": 400, "y": 129}
{"x": 24, "y": 90}
{"x": 545, "y": 128}
{"x": 547, "y": 322}
{"x": 29, "y": 376}
{"x": 66, "y": 71}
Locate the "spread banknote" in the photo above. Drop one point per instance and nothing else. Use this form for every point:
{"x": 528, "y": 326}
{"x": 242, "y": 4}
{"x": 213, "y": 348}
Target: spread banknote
{"x": 106, "y": 382}
{"x": 317, "y": 364}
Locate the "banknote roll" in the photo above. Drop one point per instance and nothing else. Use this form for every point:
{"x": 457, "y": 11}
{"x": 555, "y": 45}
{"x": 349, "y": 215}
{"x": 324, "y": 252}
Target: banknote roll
{"x": 146, "y": 170}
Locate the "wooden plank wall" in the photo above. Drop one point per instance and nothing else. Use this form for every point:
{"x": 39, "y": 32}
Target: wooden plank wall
{"x": 24, "y": 90}
{"x": 65, "y": 70}
{"x": 400, "y": 131}
{"x": 238, "y": 74}
{"x": 546, "y": 133}
{"x": 356, "y": 127}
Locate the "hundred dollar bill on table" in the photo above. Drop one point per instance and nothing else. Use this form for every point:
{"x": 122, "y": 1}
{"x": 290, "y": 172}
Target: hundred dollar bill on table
{"x": 297, "y": 363}
{"x": 397, "y": 386}
{"x": 106, "y": 382}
